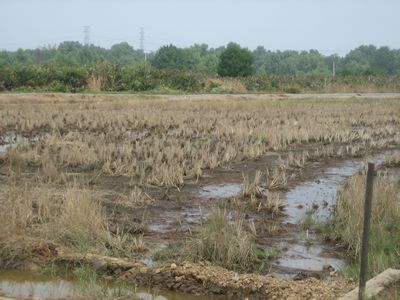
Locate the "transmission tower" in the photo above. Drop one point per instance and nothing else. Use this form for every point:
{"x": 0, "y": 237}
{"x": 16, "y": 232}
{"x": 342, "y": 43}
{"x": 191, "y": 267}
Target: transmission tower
{"x": 86, "y": 35}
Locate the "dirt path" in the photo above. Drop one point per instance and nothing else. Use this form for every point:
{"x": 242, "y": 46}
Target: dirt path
{"x": 11, "y": 97}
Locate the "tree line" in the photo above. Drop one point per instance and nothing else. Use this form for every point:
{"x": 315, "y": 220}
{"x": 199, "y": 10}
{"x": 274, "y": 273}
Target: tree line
{"x": 72, "y": 66}
{"x": 364, "y": 60}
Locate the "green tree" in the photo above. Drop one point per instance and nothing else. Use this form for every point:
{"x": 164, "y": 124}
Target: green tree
{"x": 171, "y": 57}
{"x": 235, "y": 61}
{"x": 123, "y": 53}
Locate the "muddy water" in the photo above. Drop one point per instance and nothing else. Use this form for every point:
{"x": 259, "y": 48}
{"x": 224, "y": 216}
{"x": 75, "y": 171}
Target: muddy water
{"x": 304, "y": 252}
{"x": 318, "y": 196}
{"x": 219, "y": 191}
{"x": 24, "y": 284}
{"x": 301, "y": 250}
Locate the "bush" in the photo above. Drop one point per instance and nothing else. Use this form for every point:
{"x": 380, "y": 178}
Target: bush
{"x": 258, "y": 83}
{"x": 143, "y": 79}
{"x": 223, "y": 243}
{"x": 184, "y": 81}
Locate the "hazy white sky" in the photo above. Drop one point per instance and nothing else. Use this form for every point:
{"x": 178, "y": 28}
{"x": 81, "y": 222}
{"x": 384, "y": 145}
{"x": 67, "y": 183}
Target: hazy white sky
{"x": 331, "y": 26}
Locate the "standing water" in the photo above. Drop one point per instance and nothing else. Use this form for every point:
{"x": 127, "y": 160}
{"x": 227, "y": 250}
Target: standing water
{"x": 19, "y": 284}
{"x": 309, "y": 202}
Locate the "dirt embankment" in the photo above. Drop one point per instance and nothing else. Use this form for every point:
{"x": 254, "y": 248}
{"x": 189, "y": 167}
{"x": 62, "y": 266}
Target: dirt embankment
{"x": 204, "y": 279}
{"x": 201, "y": 279}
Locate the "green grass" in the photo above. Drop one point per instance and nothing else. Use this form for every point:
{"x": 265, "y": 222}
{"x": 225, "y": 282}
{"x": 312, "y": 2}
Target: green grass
{"x": 308, "y": 221}
{"x": 346, "y": 226}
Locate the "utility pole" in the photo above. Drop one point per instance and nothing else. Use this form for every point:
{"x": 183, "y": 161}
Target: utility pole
{"x": 333, "y": 68}
{"x": 142, "y": 43}
{"x": 366, "y": 232}
{"x": 86, "y": 35}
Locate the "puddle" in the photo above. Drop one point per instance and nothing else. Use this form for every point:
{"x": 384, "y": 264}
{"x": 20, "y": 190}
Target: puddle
{"x": 148, "y": 261}
{"x": 309, "y": 258}
{"x": 26, "y": 284}
{"x": 4, "y": 148}
{"x": 160, "y": 228}
{"x": 298, "y": 250}
{"x": 220, "y": 191}
{"x": 304, "y": 254}
{"x": 317, "y": 197}
{"x": 11, "y": 140}
{"x": 182, "y": 220}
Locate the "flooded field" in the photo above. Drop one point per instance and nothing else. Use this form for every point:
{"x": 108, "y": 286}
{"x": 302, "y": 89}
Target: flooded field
{"x": 234, "y": 189}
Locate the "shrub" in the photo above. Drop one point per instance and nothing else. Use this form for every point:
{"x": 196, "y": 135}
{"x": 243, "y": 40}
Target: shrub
{"x": 143, "y": 79}
{"x": 223, "y": 243}
{"x": 183, "y": 80}
{"x": 258, "y": 83}
{"x": 74, "y": 77}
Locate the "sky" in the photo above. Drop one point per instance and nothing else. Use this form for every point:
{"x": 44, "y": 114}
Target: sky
{"x": 330, "y": 26}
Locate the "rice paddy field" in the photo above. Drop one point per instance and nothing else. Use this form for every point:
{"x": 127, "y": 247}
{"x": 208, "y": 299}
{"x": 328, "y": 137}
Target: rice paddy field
{"x": 194, "y": 197}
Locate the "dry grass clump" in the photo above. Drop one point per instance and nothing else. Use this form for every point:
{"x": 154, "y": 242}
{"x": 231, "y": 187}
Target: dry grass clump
{"x": 223, "y": 242}
{"x": 271, "y": 203}
{"x": 297, "y": 160}
{"x": 253, "y": 188}
{"x": 80, "y": 219}
{"x": 72, "y": 216}
{"x": 136, "y": 198}
{"x": 258, "y": 191}
{"x": 263, "y": 182}
{"x": 17, "y": 250}
{"x": 393, "y": 161}
{"x": 385, "y": 229}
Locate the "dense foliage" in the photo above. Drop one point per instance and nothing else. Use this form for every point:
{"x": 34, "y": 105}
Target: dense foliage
{"x": 235, "y": 61}
{"x": 72, "y": 66}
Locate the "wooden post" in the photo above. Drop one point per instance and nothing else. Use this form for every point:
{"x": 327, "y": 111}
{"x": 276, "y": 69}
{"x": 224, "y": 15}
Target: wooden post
{"x": 366, "y": 231}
